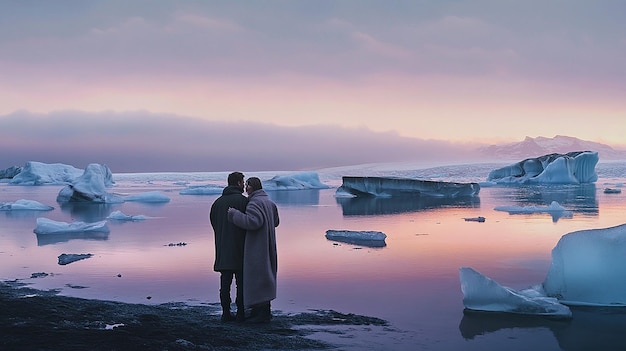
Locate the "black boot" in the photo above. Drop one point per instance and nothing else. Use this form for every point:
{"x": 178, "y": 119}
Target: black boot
{"x": 226, "y": 315}
{"x": 261, "y": 313}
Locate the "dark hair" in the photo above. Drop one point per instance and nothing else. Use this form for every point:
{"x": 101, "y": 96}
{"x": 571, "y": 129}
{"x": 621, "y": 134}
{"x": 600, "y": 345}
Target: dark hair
{"x": 234, "y": 178}
{"x": 254, "y": 183}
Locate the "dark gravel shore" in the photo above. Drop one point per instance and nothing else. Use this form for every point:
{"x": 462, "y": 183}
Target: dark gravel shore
{"x": 42, "y": 320}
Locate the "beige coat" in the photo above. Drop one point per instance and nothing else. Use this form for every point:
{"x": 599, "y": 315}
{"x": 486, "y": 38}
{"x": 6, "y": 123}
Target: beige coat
{"x": 260, "y": 260}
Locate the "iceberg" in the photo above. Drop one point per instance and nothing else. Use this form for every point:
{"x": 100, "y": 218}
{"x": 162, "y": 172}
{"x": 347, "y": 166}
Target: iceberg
{"x": 24, "y": 205}
{"x": 90, "y": 187}
{"x": 38, "y": 173}
{"x": 589, "y": 268}
{"x": 48, "y": 226}
{"x": 69, "y": 258}
{"x": 10, "y": 172}
{"x": 484, "y": 294}
{"x": 298, "y": 181}
{"x": 554, "y": 209}
{"x": 120, "y": 216}
{"x": 571, "y": 168}
{"x": 364, "y": 238}
{"x": 202, "y": 190}
{"x": 394, "y": 187}
{"x": 149, "y": 197}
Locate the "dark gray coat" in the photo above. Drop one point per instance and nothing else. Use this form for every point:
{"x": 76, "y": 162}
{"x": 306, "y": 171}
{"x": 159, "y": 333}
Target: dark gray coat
{"x": 260, "y": 262}
{"x": 229, "y": 239}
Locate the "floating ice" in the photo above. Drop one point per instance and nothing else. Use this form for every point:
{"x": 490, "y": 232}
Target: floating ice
{"x": 555, "y": 210}
{"x": 48, "y": 226}
{"x": 589, "y": 267}
{"x": 612, "y": 191}
{"x": 90, "y": 187}
{"x": 393, "y": 187}
{"x": 38, "y": 173}
{"x": 202, "y": 190}
{"x": 365, "y": 238}
{"x": 475, "y": 219}
{"x": 120, "y": 216}
{"x": 297, "y": 181}
{"x": 69, "y": 258}
{"x": 24, "y": 205}
{"x": 484, "y": 294}
{"x": 571, "y": 168}
{"x": 149, "y": 197}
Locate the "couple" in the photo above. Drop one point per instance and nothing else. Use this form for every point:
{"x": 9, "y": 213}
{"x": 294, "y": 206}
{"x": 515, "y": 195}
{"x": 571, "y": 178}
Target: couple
{"x": 245, "y": 247}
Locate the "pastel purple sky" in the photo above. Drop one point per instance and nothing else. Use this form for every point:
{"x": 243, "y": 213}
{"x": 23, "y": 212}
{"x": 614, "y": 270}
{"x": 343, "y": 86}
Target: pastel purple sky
{"x": 302, "y": 83}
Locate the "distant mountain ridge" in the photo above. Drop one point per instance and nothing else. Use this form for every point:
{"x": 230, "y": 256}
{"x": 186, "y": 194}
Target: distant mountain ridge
{"x": 534, "y": 147}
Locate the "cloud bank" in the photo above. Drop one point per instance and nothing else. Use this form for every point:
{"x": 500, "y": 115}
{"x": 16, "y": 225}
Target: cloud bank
{"x": 146, "y": 142}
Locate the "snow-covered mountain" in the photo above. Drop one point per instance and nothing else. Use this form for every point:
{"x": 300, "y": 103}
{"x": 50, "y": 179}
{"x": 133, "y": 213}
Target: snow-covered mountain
{"x": 534, "y": 147}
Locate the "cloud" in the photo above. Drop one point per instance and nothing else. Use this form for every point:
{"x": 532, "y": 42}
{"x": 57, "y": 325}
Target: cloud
{"x": 143, "y": 142}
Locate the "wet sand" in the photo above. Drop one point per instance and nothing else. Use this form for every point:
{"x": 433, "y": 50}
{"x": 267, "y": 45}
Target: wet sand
{"x": 43, "y": 320}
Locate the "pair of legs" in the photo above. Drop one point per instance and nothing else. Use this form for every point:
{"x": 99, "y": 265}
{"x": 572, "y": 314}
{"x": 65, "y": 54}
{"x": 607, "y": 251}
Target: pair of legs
{"x": 226, "y": 280}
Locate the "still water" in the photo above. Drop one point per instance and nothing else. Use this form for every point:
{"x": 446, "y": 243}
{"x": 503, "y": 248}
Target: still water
{"x": 412, "y": 282}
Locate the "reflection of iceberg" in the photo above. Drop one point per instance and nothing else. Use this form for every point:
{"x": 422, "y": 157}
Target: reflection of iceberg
{"x": 86, "y": 211}
{"x": 364, "y": 238}
{"x": 48, "y": 226}
{"x": 300, "y": 197}
{"x": 580, "y": 198}
{"x": 554, "y": 209}
{"x": 298, "y": 181}
{"x": 24, "y": 205}
{"x": 365, "y": 206}
{"x": 571, "y": 168}
{"x": 397, "y": 187}
{"x": 47, "y": 239}
{"x": 483, "y": 294}
{"x": 589, "y": 328}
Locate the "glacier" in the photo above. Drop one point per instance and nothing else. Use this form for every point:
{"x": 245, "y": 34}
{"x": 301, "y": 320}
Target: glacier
{"x": 395, "y": 187}
{"x": 571, "y": 168}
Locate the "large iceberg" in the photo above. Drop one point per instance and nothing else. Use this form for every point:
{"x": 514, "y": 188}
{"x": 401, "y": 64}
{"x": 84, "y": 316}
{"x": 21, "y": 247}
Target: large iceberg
{"x": 10, "y": 172}
{"x": 91, "y": 186}
{"x": 298, "y": 181}
{"x": 571, "y": 168}
{"x": 589, "y": 267}
{"x": 395, "y": 187}
{"x": 38, "y": 173}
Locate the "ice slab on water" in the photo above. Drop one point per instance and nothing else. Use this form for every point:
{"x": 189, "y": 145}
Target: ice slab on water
{"x": 48, "y": 226}
{"x": 24, "y": 205}
{"x": 364, "y": 238}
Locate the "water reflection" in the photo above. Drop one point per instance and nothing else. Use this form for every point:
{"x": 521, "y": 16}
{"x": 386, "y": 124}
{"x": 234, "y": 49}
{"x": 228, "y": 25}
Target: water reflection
{"x": 87, "y": 212}
{"x": 578, "y": 198}
{"x": 591, "y": 328}
{"x": 360, "y": 206}
{"x": 47, "y": 239}
{"x": 295, "y": 197}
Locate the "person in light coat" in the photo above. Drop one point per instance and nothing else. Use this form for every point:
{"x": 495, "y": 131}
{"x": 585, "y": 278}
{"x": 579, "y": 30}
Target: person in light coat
{"x": 260, "y": 259}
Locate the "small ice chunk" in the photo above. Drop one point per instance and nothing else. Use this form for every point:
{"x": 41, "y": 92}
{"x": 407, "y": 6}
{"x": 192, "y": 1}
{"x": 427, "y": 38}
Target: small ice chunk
{"x": 24, "y": 205}
{"x": 149, "y": 197}
{"x": 121, "y": 216}
{"x": 365, "y": 238}
{"x": 48, "y": 226}
{"x": 69, "y": 258}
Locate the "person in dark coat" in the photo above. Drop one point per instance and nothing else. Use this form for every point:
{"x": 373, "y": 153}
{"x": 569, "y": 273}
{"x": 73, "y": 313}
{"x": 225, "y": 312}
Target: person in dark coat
{"x": 260, "y": 260}
{"x": 229, "y": 245}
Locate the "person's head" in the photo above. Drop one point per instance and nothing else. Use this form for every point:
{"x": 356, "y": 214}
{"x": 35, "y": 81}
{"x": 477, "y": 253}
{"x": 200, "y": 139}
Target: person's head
{"x": 236, "y": 179}
{"x": 252, "y": 184}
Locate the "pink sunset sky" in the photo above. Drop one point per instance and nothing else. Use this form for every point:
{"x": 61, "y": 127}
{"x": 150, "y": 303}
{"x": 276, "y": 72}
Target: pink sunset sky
{"x": 259, "y": 84}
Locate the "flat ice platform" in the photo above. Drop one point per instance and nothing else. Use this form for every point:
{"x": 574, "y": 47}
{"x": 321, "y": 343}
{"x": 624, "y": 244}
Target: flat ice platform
{"x": 393, "y": 187}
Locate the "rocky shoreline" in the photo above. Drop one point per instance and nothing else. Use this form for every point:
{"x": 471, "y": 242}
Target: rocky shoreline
{"x": 43, "y": 320}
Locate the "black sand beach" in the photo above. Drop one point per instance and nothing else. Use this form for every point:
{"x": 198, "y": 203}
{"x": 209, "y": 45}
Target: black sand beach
{"x": 43, "y": 320}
